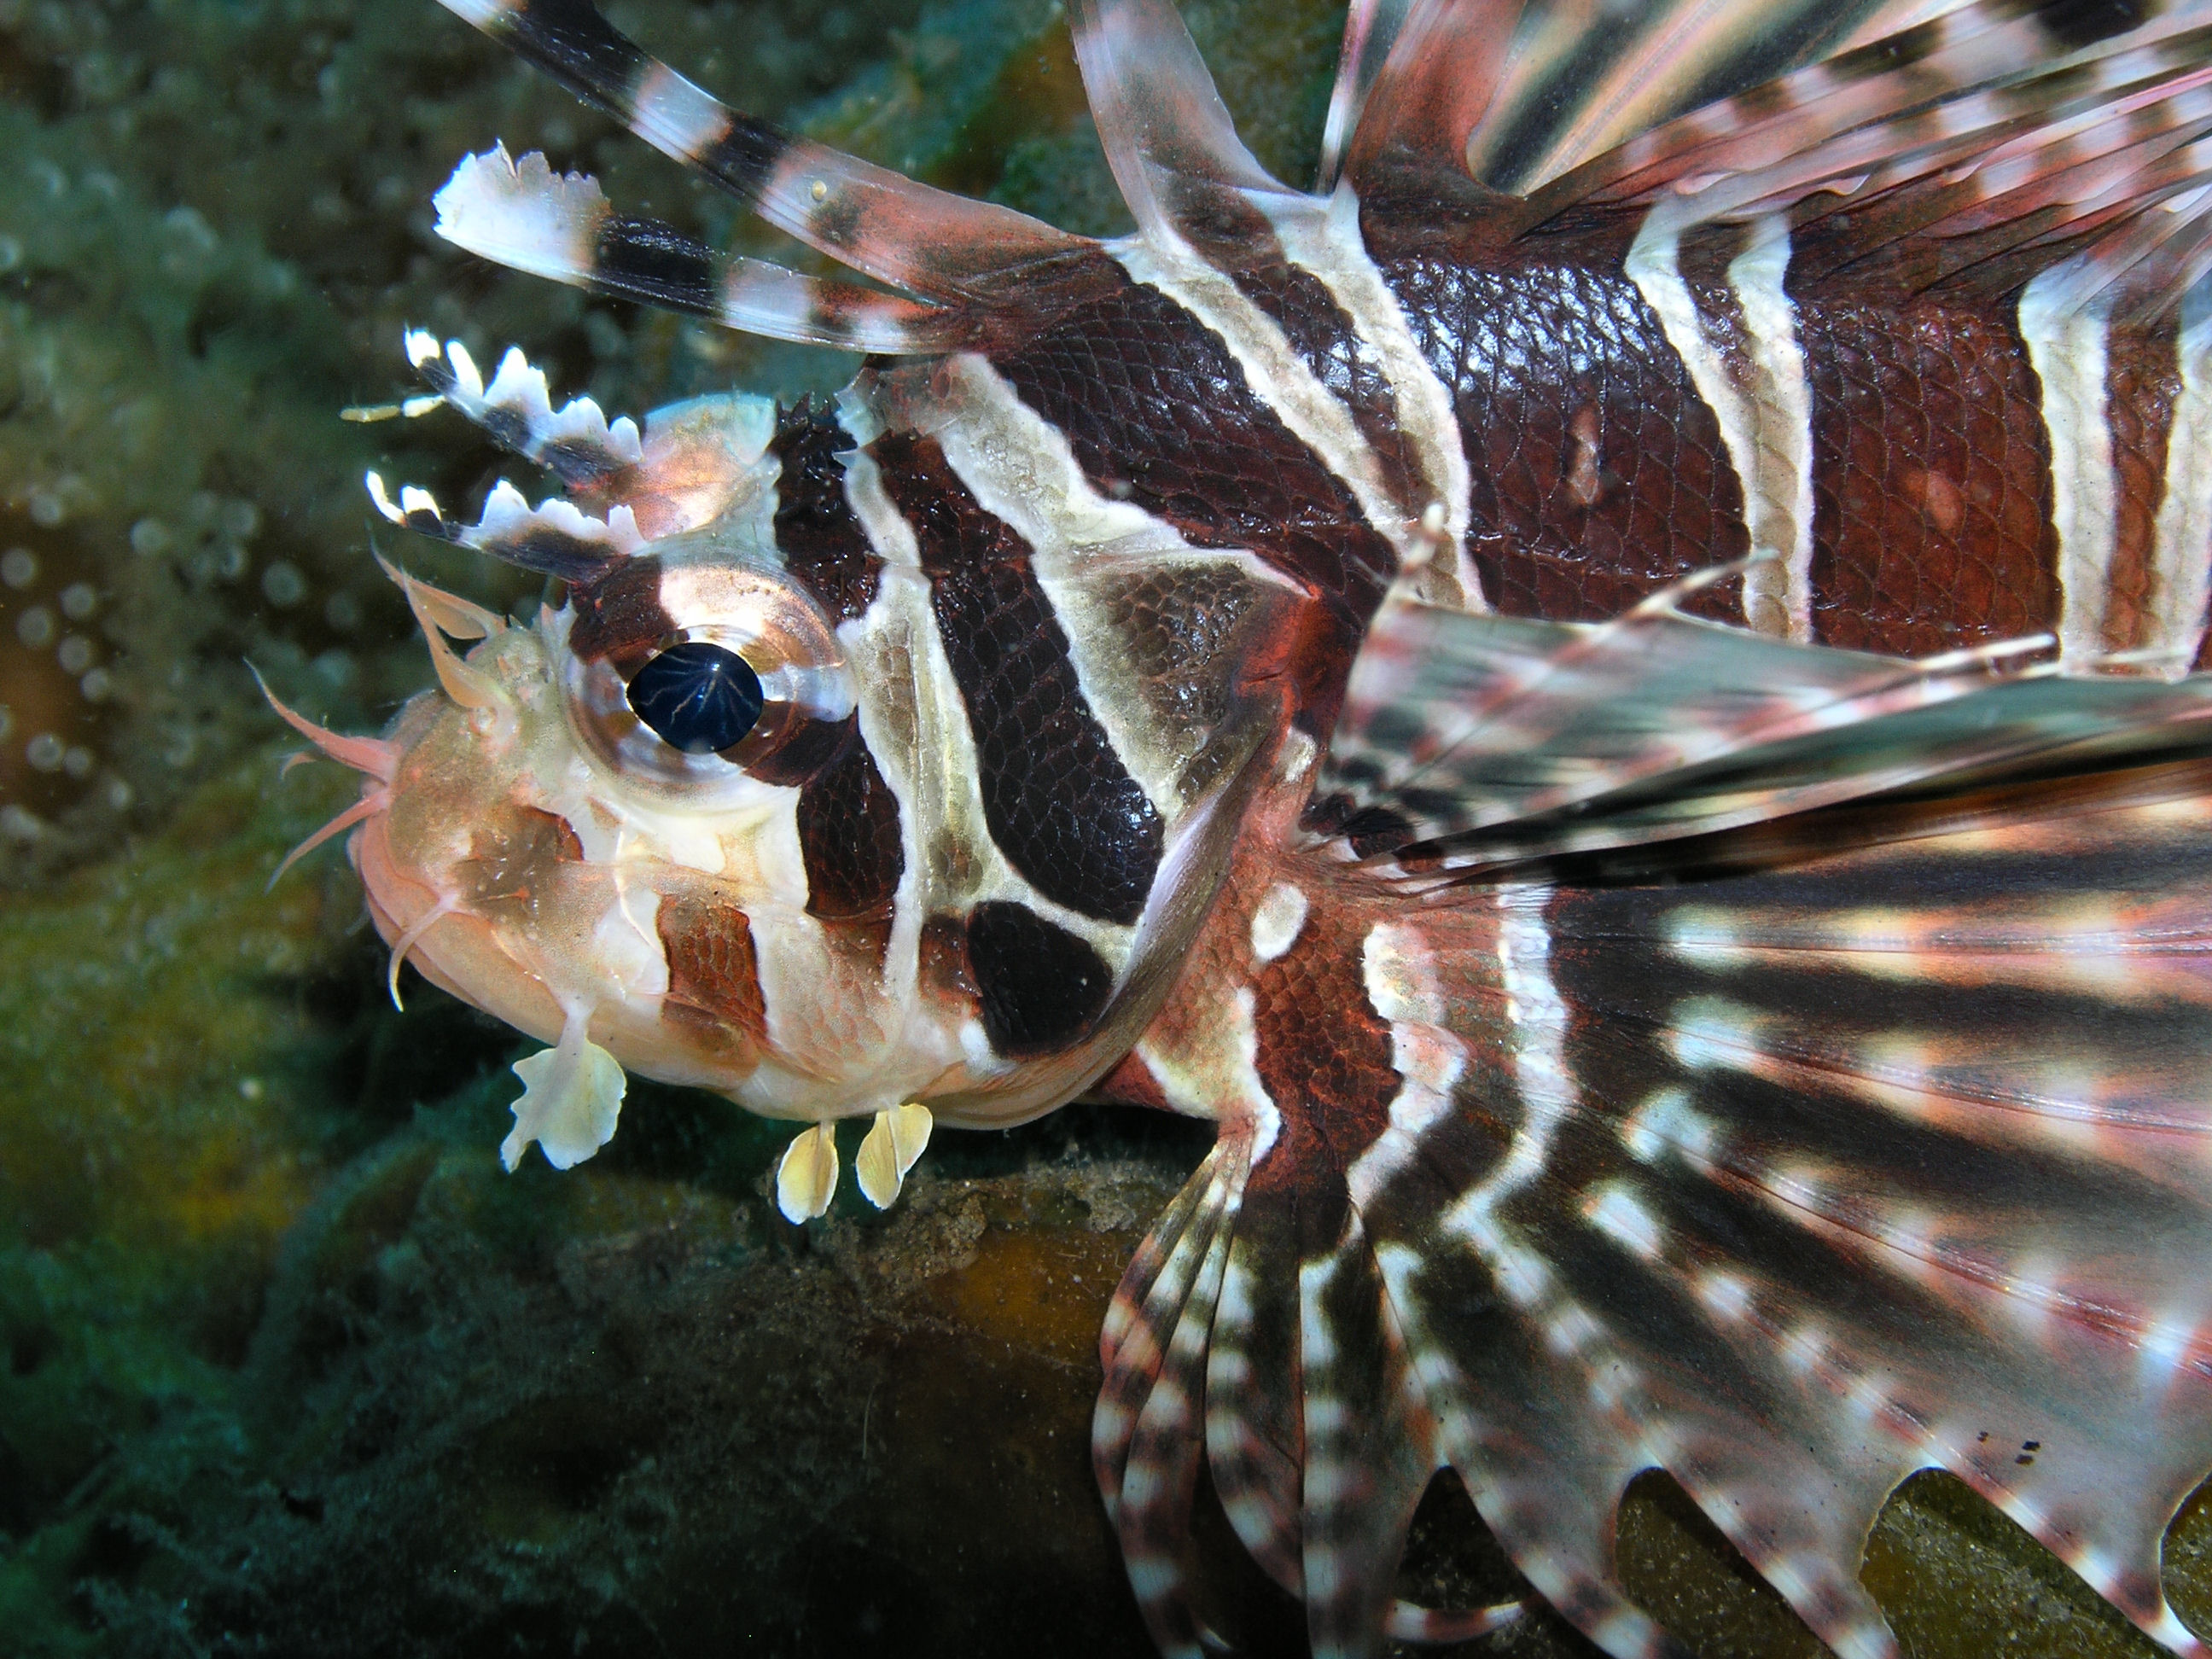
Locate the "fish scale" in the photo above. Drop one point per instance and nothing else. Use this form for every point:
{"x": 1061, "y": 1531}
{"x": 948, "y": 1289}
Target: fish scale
{"x": 1608, "y": 695}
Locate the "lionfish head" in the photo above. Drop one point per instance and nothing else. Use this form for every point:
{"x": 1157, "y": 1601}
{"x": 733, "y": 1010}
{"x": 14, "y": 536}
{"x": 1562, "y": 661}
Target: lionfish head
{"x": 729, "y": 816}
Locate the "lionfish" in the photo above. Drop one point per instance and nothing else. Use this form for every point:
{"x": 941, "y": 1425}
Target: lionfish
{"x": 1608, "y": 692}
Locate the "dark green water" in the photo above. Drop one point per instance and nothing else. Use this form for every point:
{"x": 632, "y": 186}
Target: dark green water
{"x": 290, "y": 1366}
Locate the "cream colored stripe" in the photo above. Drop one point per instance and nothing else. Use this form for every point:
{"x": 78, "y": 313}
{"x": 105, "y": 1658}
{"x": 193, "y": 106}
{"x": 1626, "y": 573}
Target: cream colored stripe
{"x": 1783, "y": 492}
{"x": 1329, "y": 246}
{"x": 1020, "y": 469}
{"x": 2181, "y": 549}
{"x": 1766, "y": 425}
{"x": 2066, "y": 344}
{"x": 1279, "y": 378}
{"x": 916, "y": 722}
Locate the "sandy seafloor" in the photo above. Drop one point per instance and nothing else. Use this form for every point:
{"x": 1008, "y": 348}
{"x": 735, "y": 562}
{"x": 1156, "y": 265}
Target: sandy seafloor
{"x": 287, "y": 1365}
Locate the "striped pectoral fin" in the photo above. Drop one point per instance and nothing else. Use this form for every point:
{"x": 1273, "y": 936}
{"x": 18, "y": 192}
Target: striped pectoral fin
{"x": 1481, "y": 740}
{"x": 1802, "y": 1178}
{"x": 1317, "y": 1431}
{"x": 1147, "y": 1428}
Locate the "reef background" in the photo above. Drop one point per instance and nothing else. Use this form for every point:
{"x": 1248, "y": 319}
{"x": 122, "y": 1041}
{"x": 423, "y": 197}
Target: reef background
{"x": 290, "y": 1367}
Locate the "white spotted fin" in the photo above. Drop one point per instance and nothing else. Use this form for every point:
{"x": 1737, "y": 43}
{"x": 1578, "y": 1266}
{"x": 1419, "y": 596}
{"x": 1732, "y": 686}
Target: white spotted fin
{"x": 1790, "y": 1076}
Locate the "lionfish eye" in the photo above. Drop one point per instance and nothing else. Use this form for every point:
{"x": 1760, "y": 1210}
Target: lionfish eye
{"x": 698, "y": 697}
{"x": 705, "y": 677}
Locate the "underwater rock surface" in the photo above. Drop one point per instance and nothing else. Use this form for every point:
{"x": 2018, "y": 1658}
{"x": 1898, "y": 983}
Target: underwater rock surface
{"x": 290, "y": 1367}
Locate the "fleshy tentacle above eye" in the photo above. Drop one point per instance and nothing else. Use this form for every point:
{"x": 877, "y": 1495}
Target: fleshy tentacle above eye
{"x": 576, "y": 443}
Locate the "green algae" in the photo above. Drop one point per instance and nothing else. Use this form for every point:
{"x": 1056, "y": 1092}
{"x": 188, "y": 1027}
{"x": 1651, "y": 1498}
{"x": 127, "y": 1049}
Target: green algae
{"x": 292, "y": 1367}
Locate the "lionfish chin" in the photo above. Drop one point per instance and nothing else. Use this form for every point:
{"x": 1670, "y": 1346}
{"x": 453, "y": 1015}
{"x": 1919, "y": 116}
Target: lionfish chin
{"x": 1608, "y": 692}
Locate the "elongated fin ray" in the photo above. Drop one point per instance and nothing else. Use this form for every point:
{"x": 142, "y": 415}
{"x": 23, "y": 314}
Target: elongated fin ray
{"x": 1789, "y": 1175}
{"x": 1792, "y": 1220}
{"x": 1947, "y": 190}
{"x": 1485, "y": 740}
{"x": 1430, "y": 94}
{"x": 553, "y": 537}
{"x": 1583, "y": 76}
{"x": 1984, "y": 46}
{"x": 1145, "y": 1430}
{"x": 869, "y": 218}
{"x": 1974, "y": 151}
{"x": 1255, "y": 1426}
{"x": 1370, "y": 28}
{"x": 1183, "y": 170}
{"x": 1370, "y": 1445}
{"x": 559, "y": 226}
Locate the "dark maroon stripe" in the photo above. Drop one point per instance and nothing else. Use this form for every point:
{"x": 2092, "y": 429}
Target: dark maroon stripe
{"x": 620, "y": 616}
{"x": 712, "y": 964}
{"x": 848, "y": 836}
{"x": 1599, "y": 474}
{"x": 1931, "y": 478}
{"x": 1319, "y": 1042}
{"x": 823, "y": 545}
{"x": 1330, "y": 344}
{"x": 1041, "y": 986}
{"x": 1158, "y": 412}
{"x": 2142, "y": 384}
{"x": 1058, "y": 800}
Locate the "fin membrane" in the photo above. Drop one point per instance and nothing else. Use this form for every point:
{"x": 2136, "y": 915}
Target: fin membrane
{"x": 1790, "y": 1175}
{"x": 1479, "y": 742}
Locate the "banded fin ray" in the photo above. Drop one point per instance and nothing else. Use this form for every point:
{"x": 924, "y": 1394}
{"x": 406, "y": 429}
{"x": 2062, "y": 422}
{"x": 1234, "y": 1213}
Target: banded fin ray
{"x": 1973, "y": 150}
{"x": 1800, "y": 1222}
{"x": 555, "y": 536}
{"x": 1583, "y": 78}
{"x": 1143, "y": 1442}
{"x": 1175, "y": 152}
{"x": 576, "y": 443}
{"x": 561, "y": 226}
{"x": 1788, "y": 1176}
{"x": 1429, "y": 93}
{"x": 1480, "y": 741}
{"x": 874, "y": 221}
{"x": 1370, "y": 28}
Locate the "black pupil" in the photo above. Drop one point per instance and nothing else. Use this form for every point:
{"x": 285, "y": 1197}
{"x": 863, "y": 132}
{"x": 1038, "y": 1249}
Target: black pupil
{"x": 699, "y": 697}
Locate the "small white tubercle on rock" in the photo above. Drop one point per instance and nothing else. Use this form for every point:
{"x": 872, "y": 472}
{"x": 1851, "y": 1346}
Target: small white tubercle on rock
{"x": 807, "y": 1180}
{"x": 572, "y": 1093}
{"x": 896, "y": 1140}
